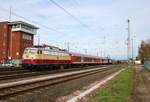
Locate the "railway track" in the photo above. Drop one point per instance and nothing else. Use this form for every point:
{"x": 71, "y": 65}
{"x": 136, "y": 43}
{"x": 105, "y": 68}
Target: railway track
{"x": 17, "y": 74}
{"x": 13, "y": 72}
{"x": 19, "y": 87}
{"x": 3, "y": 69}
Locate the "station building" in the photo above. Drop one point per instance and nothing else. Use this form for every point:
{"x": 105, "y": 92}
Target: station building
{"x": 14, "y": 38}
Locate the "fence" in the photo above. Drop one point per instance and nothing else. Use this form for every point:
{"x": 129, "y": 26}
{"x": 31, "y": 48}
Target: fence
{"x": 147, "y": 64}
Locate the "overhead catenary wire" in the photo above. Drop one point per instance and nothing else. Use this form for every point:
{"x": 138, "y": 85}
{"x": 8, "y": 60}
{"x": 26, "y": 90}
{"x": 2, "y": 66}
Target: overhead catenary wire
{"x": 76, "y": 2}
{"x": 68, "y": 13}
{"x": 17, "y": 15}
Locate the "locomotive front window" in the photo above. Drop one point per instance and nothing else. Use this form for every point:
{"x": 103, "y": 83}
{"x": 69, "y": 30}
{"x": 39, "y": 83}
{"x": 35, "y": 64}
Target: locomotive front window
{"x": 32, "y": 51}
{"x": 26, "y": 51}
{"x": 39, "y": 52}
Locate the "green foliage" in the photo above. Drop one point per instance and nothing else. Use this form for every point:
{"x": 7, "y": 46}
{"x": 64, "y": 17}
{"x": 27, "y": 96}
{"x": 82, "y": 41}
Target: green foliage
{"x": 147, "y": 69}
{"x": 144, "y": 50}
{"x": 118, "y": 89}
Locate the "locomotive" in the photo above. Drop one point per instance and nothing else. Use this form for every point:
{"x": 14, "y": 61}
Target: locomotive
{"x": 53, "y": 56}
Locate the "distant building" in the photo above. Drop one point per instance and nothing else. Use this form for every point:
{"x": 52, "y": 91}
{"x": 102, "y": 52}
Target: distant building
{"x": 14, "y": 38}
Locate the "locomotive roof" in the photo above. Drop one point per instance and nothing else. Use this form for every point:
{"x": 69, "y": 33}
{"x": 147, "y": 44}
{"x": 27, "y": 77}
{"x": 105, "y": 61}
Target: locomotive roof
{"x": 64, "y": 50}
{"x": 49, "y": 48}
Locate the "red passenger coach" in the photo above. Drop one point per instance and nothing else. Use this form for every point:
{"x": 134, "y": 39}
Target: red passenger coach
{"x": 85, "y": 59}
{"x": 76, "y": 58}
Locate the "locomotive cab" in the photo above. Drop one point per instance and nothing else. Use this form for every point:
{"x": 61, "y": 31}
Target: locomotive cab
{"x": 47, "y": 57}
{"x": 29, "y": 56}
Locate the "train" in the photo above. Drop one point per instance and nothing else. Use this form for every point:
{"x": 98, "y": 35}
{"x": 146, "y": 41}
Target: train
{"x": 51, "y": 56}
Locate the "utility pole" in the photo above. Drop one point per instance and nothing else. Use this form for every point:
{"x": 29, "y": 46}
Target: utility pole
{"x": 85, "y": 51}
{"x": 129, "y": 41}
{"x": 10, "y": 13}
{"x": 101, "y": 52}
{"x": 68, "y": 46}
{"x": 133, "y": 44}
{"x": 38, "y": 40}
{"x": 132, "y": 49}
{"x": 97, "y": 53}
{"x": 104, "y": 46}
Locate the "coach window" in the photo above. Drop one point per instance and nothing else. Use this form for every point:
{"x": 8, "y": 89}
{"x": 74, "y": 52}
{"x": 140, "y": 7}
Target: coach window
{"x": 95, "y": 59}
{"x": 87, "y": 59}
{"x": 77, "y": 58}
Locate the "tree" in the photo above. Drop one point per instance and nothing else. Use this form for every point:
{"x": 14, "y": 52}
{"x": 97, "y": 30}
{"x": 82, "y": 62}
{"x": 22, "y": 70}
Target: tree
{"x": 144, "y": 50}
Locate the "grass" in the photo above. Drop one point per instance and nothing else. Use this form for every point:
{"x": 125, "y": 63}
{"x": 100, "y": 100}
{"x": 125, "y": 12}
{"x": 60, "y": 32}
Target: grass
{"x": 147, "y": 69}
{"x": 117, "y": 90}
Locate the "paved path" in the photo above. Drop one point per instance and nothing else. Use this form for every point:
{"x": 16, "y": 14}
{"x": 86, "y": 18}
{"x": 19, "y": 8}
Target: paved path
{"x": 142, "y": 85}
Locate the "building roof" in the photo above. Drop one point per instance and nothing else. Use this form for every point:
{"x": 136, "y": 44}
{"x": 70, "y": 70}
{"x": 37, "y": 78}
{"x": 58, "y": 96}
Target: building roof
{"x": 22, "y": 22}
{"x": 4, "y": 22}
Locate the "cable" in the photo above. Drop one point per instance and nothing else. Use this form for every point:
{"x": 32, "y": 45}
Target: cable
{"x": 49, "y": 28}
{"x": 67, "y": 12}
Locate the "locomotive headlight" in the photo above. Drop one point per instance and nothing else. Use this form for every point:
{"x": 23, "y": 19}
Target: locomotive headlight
{"x": 32, "y": 58}
{"x": 27, "y": 56}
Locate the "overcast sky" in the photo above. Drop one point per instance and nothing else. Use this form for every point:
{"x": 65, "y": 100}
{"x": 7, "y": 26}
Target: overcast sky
{"x": 104, "y": 19}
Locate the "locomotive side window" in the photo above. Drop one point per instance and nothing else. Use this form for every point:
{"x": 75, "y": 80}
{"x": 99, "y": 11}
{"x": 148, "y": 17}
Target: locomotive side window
{"x": 55, "y": 53}
{"x": 50, "y": 52}
{"x": 65, "y": 54}
{"x": 46, "y": 52}
{"x": 58, "y": 53}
